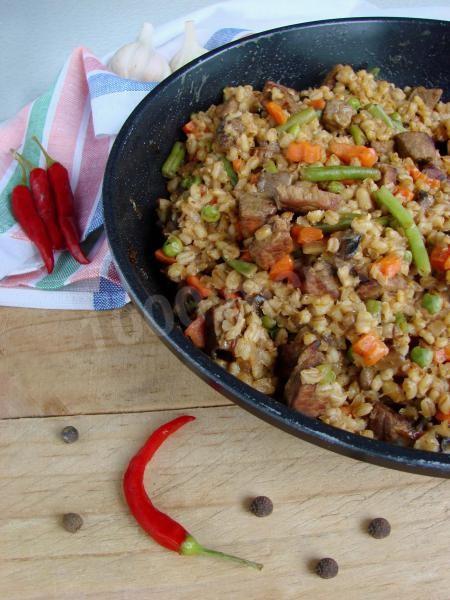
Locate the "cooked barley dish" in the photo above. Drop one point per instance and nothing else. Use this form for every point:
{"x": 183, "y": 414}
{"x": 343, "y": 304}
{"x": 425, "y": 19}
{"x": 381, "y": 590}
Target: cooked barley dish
{"x": 309, "y": 232}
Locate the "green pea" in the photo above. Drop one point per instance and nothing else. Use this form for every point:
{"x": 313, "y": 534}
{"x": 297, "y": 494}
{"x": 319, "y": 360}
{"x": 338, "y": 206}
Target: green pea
{"x": 210, "y": 213}
{"x": 270, "y": 167}
{"x": 172, "y": 246}
{"x": 374, "y": 307}
{"x": 354, "y": 102}
{"x": 401, "y": 322}
{"x": 432, "y": 303}
{"x": 421, "y": 356}
{"x": 267, "y": 322}
{"x": 328, "y": 375}
{"x": 336, "y": 187}
{"x": 186, "y": 182}
{"x": 375, "y": 71}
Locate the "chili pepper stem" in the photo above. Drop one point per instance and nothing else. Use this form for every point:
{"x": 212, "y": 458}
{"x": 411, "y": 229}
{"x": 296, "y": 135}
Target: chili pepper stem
{"x": 22, "y": 160}
{"x": 22, "y": 166}
{"x": 48, "y": 159}
{"x": 191, "y": 547}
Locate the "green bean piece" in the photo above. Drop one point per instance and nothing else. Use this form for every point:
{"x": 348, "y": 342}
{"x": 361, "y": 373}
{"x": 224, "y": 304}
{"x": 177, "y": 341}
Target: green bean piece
{"x": 270, "y": 167}
{"x": 267, "y": 322}
{"x": 421, "y": 356}
{"x": 373, "y": 307}
{"x": 358, "y": 135}
{"x": 174, "y": 161}
{"x": 375, "y": 71}
{"x": 397, "y": 120}
{"x": 172, "y": 246}
{"x": 416, "y": 243}
{"x": 336, "y": 187}
{"x": 354, "y": 102}
{"x": 301, "y": 118}
{"x": 210, "y": 213}
{"x": 339, "y": 172}
{"x": 243, "y": 267}
{"x": 294, "y": 130}
{"x": 378, "y": 112}
{"x": 328, "y": 375}
{"x": 230, "y": 171}
{"x": 344, "y": 222}
{"x": 186, "y": 182}
{"x": 401, "y": 322}
{"x": 432, "y": 303}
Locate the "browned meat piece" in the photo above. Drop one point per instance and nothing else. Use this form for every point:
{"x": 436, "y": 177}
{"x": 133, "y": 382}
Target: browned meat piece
{"x": 216, "y": 338}
{"x": 296, "y": 354}
{"x": 393, "y": 360}
{"x": 305, "y": 196}
{"x": 395, "y": 283}
{"x": 424, "y": 199}
{"x": 227, "y": 133}
{"x": 416, "y": 144}
{"x": 266, "y": 252}
{"x": 319, "y": 279}
{"x": 430, "y": 96}
{"x": 388, "y": 174}
{"x": 268, "y": 182}
{"x": 389, "y": 426}
{"x": 434, "y": 172}
{"x": 303, "y": 397}
{"x": 337, "y": 115}
{"x": 290, "y": 99}
{"x": 228, "y": 107}
{"x": 369, "y": 289}
{"x": 330, "y": 78}
{"x": 266, "y": 150}
{"x": 383, "y": 148}
{"x": 254, "y": 210}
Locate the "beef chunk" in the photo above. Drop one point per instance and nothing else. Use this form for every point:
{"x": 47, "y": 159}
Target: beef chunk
{"x": 337, "y": 115}
{"x": 430, "y": 96}
{"x": 305, "y": 196}
{"x": 296, "y": 354}
{"x": 418, "y": 145}
{"x": 303, "y": 397}
{"x": 383, "y": 148}
{"x": 434, "y": 172}
{"x": 217, "y": 339}
{"x": 228, "y": 107}
{"x": 319, "y": 279}
{"x": 348, "y": 243}
{"x": 388, "y": 174}
{"x": 254, "y": 210}
{"x": 268, "y": 182}
{"x": 289, "y": 100}
{"x": 369, "y": 289}
{"x": 389, "y": 426}
{"x": 266, "y": 150}
{"x": 227, "y": 133}
{"x": 330, "y": 77}
{"x": 266, "y": 252}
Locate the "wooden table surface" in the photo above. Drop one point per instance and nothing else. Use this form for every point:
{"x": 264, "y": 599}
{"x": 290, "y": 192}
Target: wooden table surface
{"x": 109, "y": 375}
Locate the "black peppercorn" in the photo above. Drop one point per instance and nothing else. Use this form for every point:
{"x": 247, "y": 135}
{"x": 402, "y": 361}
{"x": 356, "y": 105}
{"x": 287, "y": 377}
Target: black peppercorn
{"x": 261, "y": 506}
{"x": 327, "y": 568}
{"x": 69, "y": 434}
{"x": 379, "y": 528}
{"x": 72, "y": 522}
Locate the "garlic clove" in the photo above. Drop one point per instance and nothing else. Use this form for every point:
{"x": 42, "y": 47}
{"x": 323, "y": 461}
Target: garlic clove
{"x": 190, "y": 48}
{"x": 139, "y": 60}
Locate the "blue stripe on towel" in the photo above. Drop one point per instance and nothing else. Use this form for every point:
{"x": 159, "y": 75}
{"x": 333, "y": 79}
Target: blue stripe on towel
{"x": 101, "y": 84}
{"x": 222, "y": 36}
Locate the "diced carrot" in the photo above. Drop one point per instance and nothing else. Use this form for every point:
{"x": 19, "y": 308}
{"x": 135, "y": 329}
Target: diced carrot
{"x": 254, "y": 178}
{"x": 161, "y": 257}
{"x": 370, "y": 348}
{"x": 290, "y": 276}
{"x": 389, "y": 265}
{"x": 284, "y": 265}
{"x": 305, "y": 235}
{"x": 442, "y": 355}
{"x": 440, "y": 416}
{"x": 245, "y": 255}
{"x": 404, "y": 191}
{"x": 304, "y": 152}
{"x": 278, "y": 114}
{"x": 318, "y": 104}
{"x": 419, "y": 176}
{"x": 346, "y": 152}
{"x": 189, "y": 127}
{"x": 196, "y": 332}
{"x": 295, "y": 231}
{"x": 237, "y": 164}
{"x": 195, "y": 282}
{"x": 440, "y": 258}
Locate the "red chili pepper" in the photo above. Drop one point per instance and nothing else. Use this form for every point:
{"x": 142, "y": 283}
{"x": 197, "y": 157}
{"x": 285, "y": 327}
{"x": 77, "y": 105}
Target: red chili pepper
{"x": 43, "y": 200}
{"x": 64, "y": 200}
{"x": 26, "y": 214}
{"x": 162, "y": 528}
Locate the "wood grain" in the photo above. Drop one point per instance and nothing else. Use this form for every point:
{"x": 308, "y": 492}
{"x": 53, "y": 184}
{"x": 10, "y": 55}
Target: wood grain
{"x": 76, "y": 362}
{"x": 204, "y": 477}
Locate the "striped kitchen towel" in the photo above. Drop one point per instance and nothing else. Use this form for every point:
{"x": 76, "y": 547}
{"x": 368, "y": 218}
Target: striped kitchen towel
{"x": 77, "y": 119}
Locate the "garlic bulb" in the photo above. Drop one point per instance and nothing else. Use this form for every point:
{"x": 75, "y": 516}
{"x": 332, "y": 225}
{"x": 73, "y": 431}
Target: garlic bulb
{"x": 190, "y": 47}
{"x": 138, "y": 60}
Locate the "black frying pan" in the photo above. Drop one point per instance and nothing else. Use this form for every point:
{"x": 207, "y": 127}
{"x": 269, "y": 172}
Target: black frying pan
{"x": 408, "y": 51}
